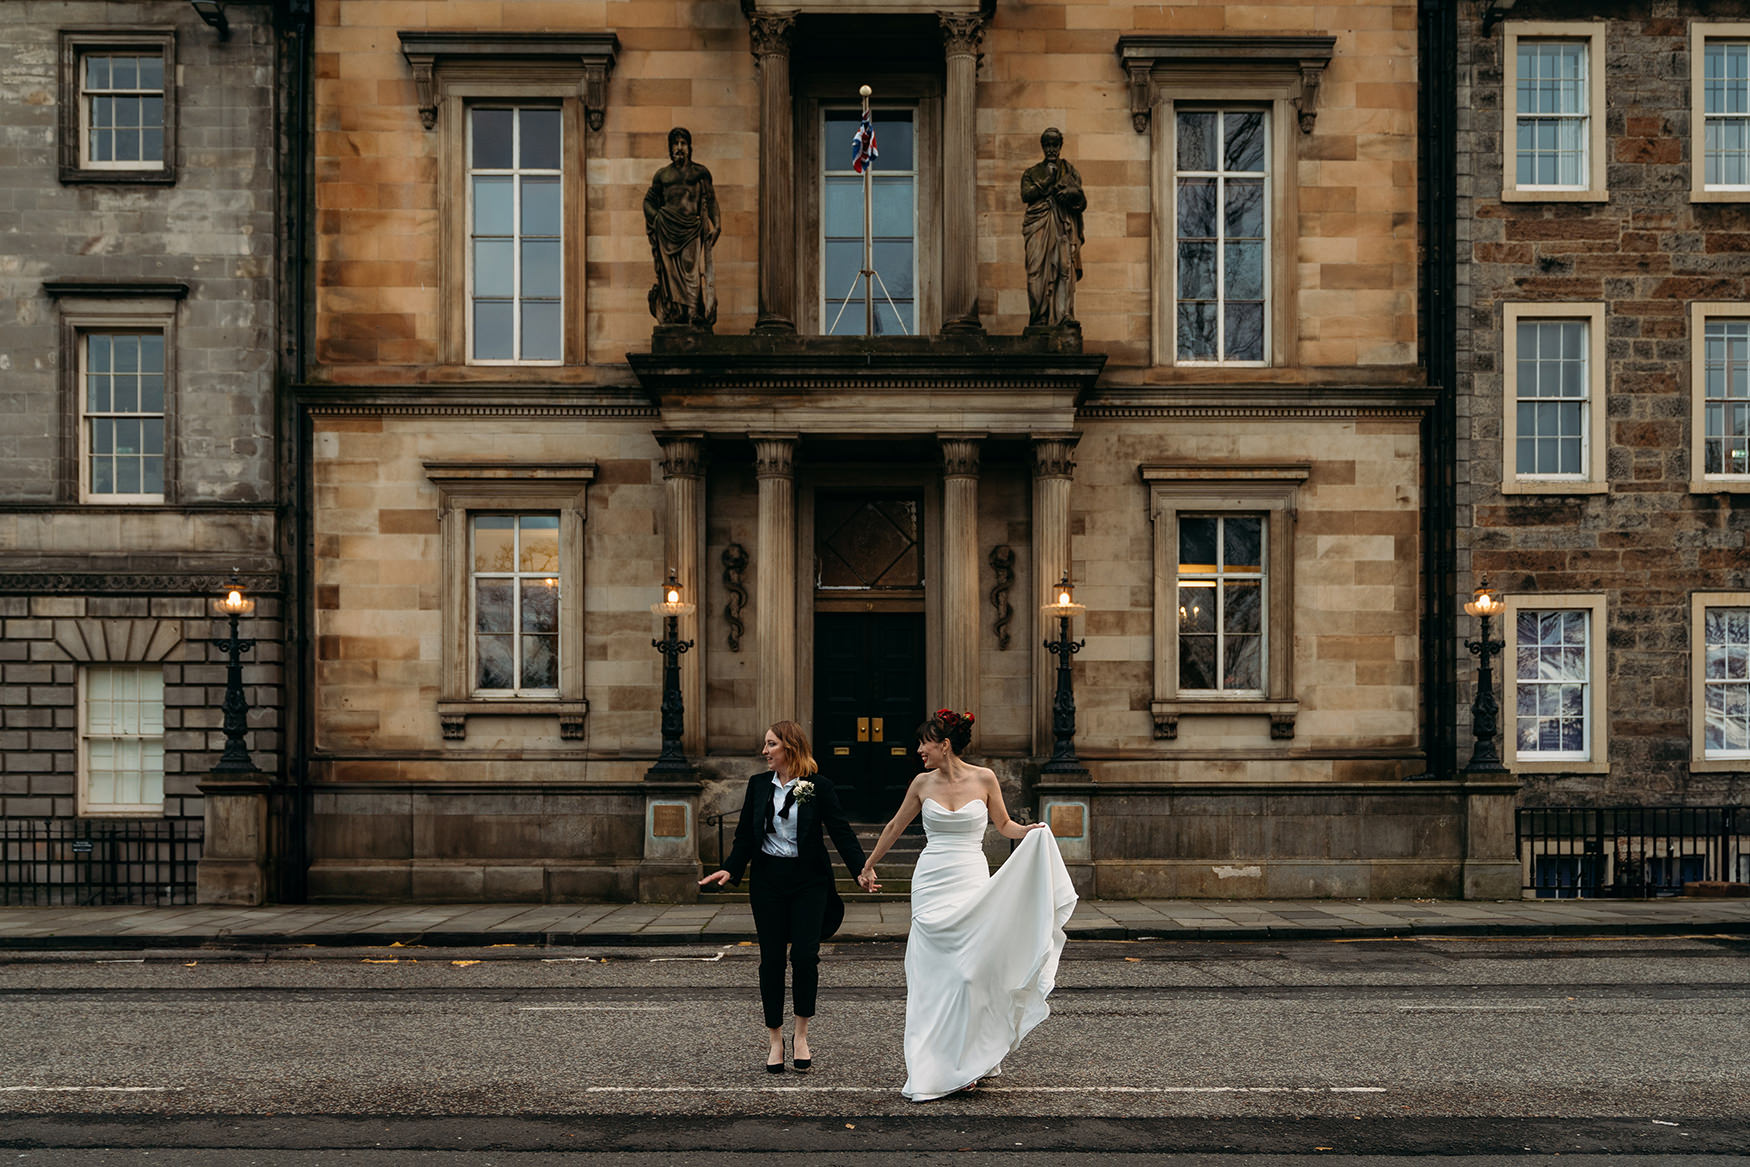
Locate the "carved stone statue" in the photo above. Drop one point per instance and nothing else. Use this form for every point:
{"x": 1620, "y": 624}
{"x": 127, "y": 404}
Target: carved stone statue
{"x": 1052, "y": 228}
{"x": 681, "y": 221}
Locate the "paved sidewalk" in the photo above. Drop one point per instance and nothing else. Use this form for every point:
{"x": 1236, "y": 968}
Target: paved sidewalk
{"x": 571, "y": 925}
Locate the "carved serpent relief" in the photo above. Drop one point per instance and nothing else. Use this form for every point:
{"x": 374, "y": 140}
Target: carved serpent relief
{"x": 1002, "y": 563}
{"x": 734, "y": 563}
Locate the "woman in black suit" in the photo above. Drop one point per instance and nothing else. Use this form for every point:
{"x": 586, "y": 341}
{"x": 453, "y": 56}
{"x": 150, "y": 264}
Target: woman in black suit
{"x": 794, "y": 901}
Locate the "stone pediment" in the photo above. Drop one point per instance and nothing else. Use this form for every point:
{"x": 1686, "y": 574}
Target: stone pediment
{"x": 854, "y": 386}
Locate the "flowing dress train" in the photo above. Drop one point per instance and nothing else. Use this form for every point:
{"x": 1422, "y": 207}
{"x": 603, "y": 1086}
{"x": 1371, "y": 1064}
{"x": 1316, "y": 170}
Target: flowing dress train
{"x": 983, "y": 951}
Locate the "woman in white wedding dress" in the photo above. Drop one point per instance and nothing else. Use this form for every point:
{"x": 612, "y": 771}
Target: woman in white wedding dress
{"x": 983, "y": 951}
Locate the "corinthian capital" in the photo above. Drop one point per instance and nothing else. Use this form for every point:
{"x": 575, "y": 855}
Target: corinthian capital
{"x": 961, "y": 32}
{"x": 772, "y": 33}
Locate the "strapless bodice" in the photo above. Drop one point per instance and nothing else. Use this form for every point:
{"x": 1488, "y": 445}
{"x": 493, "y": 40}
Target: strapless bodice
{"x": 963, "y": 828}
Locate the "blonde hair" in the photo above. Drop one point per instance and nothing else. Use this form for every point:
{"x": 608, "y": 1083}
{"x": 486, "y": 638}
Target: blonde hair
{"x": 795, "y": 743}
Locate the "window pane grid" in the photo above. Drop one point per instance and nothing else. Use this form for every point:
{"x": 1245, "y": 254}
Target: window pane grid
{"x": 1221, "y": 234}
{"x": 1726, "y": 682}
{"x": 1726, "y": 113}
{"x": 122, "y": 409}
{"x": 123, "y": 738}
{"x": 1552, "y": 393}
{"x": 122, "y": 105}
{"x": 514, "y": 577}
{"x": 1551, "y": 113}
{"x": 1553, "y": 673}
{"x": 1221, "y": 604}
{"x": 1726, "y": 397}
{"x": 516, "y": 235}
{"x": 893, "y": 224}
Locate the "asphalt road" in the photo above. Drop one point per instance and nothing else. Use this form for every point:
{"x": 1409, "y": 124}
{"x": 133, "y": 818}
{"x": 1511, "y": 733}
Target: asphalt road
{"x": 1462, "y": 1052}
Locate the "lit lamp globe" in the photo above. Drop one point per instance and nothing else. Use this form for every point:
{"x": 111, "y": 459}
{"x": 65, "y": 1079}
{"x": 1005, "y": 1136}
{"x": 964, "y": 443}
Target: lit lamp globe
{"x": 1485, "y": 603}
{"x": 673, "y": 602}
{"x": 1063, "y": 601}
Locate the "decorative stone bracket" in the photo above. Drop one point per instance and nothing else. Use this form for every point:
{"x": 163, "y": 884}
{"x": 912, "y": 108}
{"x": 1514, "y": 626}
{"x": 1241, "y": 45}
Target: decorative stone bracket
{"x": 453, "y": 715}
{"x": 441, "y": 58}
{"x": 735, "y": 562}
{"x": 1176, "y": 63}
{"x": 1282, "y": 715}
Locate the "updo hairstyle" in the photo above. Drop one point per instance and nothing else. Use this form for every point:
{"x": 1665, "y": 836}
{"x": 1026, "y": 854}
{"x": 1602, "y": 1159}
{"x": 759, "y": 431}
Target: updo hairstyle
{"x": 948, "y": 726}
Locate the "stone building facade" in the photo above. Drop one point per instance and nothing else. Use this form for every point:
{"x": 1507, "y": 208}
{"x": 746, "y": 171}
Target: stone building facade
{"x": 502, "y": 459}
{"x": 1603, "y": 298}
{"x": 139, "y": 352}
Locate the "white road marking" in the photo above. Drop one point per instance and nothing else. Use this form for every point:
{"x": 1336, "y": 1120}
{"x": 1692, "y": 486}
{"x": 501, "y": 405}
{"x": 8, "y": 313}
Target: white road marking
{"x": 990, "y": 1090}
{"x": 592, "y": 1008}
{"x": 88, "y": 1089}
{"x": 1472, "y": 1008}
{"x": 121, "y": 960}
{"x": 700, "y": 959}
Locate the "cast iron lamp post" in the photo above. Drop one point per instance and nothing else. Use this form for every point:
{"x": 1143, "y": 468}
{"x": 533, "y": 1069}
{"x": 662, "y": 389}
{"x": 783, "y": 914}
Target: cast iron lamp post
{"x": 1484, "y": 711}
{"x": 673, "y": 759}
{"x": 236, "y": 605}
{"x": 1063, "y": 704}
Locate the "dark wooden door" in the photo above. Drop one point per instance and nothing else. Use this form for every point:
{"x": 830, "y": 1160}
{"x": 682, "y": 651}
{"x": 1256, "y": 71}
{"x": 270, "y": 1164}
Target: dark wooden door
{"x": 868, "y": 701}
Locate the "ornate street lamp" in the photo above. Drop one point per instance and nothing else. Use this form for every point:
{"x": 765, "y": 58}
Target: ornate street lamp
{"x": 1484, "y": 711}
{"x": 1063, "y": 704}
{"x": 236, "y": 605}
{"x": 673, "y": 759}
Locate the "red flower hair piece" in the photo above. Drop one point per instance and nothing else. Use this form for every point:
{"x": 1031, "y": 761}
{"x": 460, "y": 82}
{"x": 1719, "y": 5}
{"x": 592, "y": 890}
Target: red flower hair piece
{"x": 954, "y": 720}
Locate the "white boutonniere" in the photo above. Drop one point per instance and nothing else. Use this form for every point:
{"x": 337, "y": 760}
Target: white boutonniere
{"x": 804, "y": 790}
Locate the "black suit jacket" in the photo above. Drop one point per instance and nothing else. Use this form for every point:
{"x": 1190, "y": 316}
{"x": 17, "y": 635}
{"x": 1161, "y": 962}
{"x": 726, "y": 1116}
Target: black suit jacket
{"x": 823, "y": 810}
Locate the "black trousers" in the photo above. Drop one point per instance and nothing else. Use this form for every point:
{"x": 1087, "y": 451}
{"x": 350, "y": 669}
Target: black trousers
{"x": 789, "y": 905}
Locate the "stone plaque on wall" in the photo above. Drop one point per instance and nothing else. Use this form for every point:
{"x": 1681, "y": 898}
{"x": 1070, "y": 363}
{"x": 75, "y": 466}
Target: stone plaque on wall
{"x": 668, "y": 821}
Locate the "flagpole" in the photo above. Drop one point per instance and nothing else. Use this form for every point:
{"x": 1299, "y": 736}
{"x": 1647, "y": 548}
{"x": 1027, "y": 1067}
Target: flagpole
{"x": 868, "y": 233}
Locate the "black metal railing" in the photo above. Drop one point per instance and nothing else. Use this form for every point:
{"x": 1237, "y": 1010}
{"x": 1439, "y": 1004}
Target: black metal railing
{"x": 1630, "y": 851}
{"x": 57, "y": 862}
{"x": 718, "y": 820}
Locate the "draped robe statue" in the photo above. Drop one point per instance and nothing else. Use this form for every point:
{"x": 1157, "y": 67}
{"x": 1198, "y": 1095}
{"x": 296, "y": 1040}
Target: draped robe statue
{"x": 682, "y": 224}
{"x": 1052, "y": 229}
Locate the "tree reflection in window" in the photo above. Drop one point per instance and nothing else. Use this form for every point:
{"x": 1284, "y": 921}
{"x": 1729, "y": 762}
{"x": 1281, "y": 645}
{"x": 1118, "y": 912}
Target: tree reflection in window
{"x": 515, "y": 574}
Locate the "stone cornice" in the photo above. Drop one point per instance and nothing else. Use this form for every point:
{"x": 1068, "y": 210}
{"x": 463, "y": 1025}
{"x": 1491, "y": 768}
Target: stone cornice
{"x": 1186, "y": 58}
{"x": 475, "y": 401}
{"x": 112, "y": 583}
{"x": 97, "y": 289}
{"x": 1272, "y": 401}
{"x": 434, "y": 54}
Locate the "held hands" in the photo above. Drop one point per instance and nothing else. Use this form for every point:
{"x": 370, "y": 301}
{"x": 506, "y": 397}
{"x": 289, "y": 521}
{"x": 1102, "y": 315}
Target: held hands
{"x": 720, "y": 878}
{"x": 867, "y": 880}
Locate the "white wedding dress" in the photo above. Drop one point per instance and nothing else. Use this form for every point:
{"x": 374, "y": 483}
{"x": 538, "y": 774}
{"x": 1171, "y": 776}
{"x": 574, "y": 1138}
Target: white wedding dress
{"x": 983, "y": 951}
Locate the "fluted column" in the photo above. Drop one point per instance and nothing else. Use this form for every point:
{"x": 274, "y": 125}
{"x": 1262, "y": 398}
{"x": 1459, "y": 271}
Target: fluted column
{"x": 960, "y": 36}
{"x": 683, "y": 482}
{"x": 775, "y": 577}
{"x": 772, "y": 32}
{"x": 1054, "y": 468}
{"x": 960, "y": 596}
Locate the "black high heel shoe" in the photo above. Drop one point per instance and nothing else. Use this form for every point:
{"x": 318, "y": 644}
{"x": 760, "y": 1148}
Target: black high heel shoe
{"x": 778, "y": 1066}
{"x": 802, "y": 1065}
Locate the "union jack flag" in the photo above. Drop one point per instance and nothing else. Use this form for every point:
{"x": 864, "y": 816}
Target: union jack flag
{"x": 863, "y": 151}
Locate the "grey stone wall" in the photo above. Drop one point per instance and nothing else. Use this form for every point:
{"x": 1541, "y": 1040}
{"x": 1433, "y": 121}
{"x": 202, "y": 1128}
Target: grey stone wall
{"x": 1647, "y": 543}
{"x": 214, "y": 230}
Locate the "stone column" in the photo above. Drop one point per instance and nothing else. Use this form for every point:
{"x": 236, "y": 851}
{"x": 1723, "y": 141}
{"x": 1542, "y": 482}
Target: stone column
{"x": 683, "y": 480}
{"x": 775, "y": 577}
{"x": 960, "y": 559}
{"x": 1053, "y": 469}
{"x": 960, "y": 36}
{"x": 772, "y": 32}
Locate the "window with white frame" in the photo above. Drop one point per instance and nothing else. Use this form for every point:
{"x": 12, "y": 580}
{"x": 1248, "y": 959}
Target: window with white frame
{"x": 121, "y": 739}
{"x": 1720, "y": 109}
{"x": 1552, "y": 705}
{"x": 1719, "y": 629}
{"x": 122, "y": 378}
{"x": 516, "y": 244}
{"x": 1554, "y": 680}
{"x": 1221, "y": 603}
{"x": 1221, "y": 233}
{"x": 1553, "y": 95}
{"x": 893, "y": 215}
{"x": 118, "y": 106}
{"x": 1726, "y": 682}
{"x": 1720, "y": 396}
{"x": 516, "y": 589}
{"x": 1553, "y": 423}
